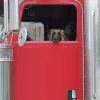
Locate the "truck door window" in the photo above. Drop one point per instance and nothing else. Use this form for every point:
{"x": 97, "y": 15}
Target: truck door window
{"x": 49, "y": 22}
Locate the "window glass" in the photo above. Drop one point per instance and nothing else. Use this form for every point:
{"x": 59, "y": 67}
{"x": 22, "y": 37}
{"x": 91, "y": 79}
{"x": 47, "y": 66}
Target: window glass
{"x": 50, "y": 22}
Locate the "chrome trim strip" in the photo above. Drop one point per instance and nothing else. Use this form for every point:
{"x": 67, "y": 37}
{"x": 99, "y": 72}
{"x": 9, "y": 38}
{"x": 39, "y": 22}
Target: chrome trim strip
{"x": 93, "y": 36}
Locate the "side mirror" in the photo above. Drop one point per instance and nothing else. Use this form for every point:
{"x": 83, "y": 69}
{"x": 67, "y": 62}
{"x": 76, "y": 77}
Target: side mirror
{"x": 22, "y": 37}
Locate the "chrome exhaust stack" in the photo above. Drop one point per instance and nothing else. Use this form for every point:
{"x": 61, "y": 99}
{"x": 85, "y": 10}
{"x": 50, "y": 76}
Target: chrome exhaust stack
{"x": 11, "y": 25}
{"x": 6, "y": 56}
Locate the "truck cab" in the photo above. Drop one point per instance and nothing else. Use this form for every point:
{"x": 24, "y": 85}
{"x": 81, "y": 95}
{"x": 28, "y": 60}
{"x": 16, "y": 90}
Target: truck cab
{"x": 43, "y": 69}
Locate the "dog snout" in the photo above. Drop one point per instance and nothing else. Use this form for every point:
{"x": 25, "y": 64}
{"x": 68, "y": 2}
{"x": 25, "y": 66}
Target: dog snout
{"x": 56, "y": 37}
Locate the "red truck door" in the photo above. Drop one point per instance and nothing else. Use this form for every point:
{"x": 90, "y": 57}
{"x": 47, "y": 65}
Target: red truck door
{"x": 43, "y": 70}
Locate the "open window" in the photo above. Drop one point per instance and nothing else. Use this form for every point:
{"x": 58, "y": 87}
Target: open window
{"x": 45, "y": 22}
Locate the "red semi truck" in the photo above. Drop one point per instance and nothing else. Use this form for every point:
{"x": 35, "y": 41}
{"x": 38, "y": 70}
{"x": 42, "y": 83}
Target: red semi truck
{"x": 58, "y": 59}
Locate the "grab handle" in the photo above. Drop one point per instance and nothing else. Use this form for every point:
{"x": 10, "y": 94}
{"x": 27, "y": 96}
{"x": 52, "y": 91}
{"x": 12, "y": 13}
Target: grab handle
{"x": 93, "y": 55}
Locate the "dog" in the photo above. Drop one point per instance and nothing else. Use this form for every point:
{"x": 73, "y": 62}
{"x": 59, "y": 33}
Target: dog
{"x": 68, "y": 34}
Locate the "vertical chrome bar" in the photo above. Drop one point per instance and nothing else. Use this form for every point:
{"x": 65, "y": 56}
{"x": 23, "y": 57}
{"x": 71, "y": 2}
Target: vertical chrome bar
{"x": 6, "y": 80}
{"x": 93, "y": 36}
{"x": 90, "y": 49}
{"x": 1, "y": 82}
{"x": 98, "y": 50}
{"x": 13, "y": 15}
{"x": 6, "y": 15}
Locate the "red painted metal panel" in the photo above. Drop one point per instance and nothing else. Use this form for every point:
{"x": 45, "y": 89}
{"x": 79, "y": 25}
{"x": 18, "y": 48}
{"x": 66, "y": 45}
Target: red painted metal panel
{"x": 81, "y": 1}
{"x": 46, "y": 71}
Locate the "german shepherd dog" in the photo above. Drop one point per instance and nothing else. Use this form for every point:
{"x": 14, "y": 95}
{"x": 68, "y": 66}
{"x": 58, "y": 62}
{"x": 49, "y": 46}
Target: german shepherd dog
{"x": 68, "y": 34}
